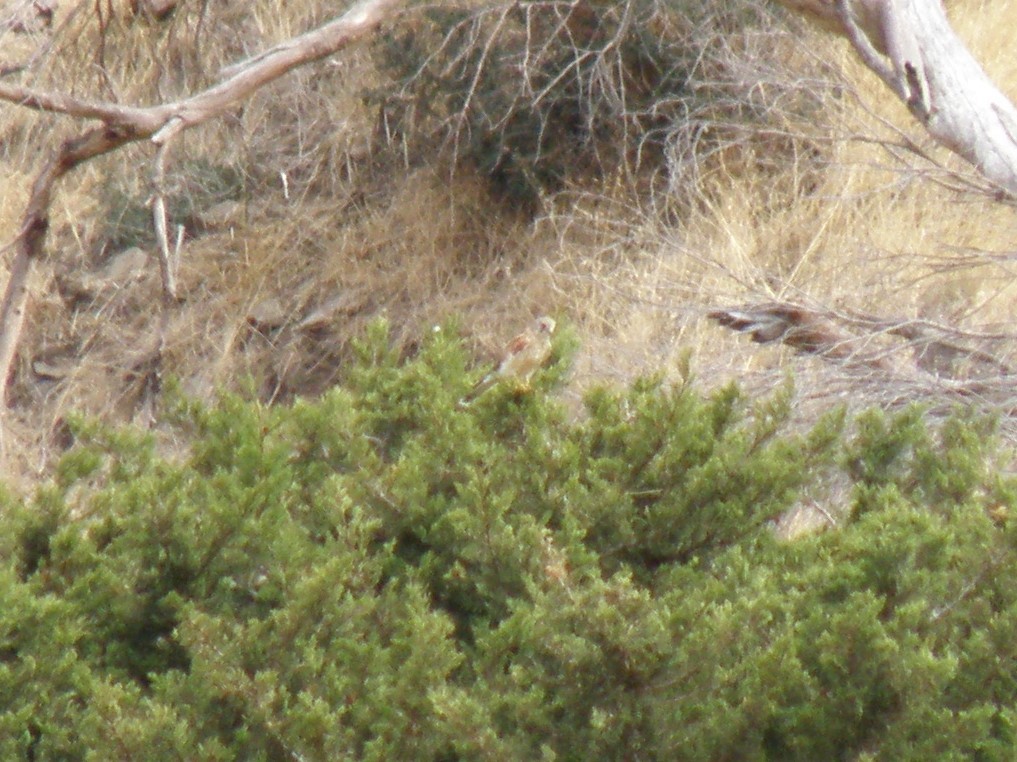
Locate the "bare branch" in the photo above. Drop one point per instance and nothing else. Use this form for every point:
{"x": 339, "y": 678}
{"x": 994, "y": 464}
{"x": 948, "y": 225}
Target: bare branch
{"x": 240, "y": 80}
{"x": 60, "y": 103}
{"x": 911, "y": 46}
{"x": 126, "y": 124}
{"x": 865, "y": 49}
{"x": 160, "y": 220}
{"x": 937, "y": 351}
{"x": 28, "y": 246}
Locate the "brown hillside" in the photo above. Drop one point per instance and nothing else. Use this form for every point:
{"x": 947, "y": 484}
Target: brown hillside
{"x": 464, "y": 165}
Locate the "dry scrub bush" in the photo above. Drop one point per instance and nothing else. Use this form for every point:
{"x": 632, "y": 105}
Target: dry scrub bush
{"x": 541, "y": 95}
{"x": 297, "y": 202}
{"x": 619, "y": 124}
{"x": 632, "y": 164}
{"x": 864, "y": 215}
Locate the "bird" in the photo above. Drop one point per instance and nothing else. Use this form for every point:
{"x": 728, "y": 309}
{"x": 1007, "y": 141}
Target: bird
{"x": 522, "y": 357}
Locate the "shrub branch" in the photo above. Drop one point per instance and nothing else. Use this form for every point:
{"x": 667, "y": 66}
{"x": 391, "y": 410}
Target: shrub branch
{"x": 160, "y": 124}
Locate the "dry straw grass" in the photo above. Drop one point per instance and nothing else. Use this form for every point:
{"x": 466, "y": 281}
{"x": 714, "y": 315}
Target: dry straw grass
{"x": 306, "y": 219}
{"x": 850, "y": 222}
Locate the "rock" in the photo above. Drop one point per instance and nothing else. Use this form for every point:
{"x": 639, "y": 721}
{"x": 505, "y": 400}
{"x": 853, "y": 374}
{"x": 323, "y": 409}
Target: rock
{"x": 222, "y": 214}
{"x": 53, "y": 370}
{"x": 346, "y": 303}
{"x": 126, "y": 265}
{"x": 267, "y": 314}
{"x": 80, "y": 286}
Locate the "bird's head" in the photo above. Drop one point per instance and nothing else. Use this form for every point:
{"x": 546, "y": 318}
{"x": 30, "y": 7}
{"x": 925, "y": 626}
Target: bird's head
{"x": 545, "y": 325}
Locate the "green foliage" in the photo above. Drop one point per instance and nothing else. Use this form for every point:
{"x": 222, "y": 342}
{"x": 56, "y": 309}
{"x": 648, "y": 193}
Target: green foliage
{"x": 389, "y": 573}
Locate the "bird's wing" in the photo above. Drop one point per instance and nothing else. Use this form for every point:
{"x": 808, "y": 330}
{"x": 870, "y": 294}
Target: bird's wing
{"x": 518, "y": 344}
{"x": 515, "y": 351}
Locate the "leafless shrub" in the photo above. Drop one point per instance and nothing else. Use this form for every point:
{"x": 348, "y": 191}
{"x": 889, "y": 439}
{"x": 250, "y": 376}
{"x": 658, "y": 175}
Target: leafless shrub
{"x": 539, "y": 94}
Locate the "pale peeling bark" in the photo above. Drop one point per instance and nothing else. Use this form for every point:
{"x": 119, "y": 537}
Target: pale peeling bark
{"x": 914, "y": 50}
{"x": 159, "y": 124}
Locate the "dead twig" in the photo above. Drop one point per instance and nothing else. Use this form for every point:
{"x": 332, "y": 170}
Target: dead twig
{"x": 126, "y": 124}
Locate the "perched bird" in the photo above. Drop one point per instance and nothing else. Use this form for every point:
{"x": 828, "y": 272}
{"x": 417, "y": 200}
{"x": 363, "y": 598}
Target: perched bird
{"x": 522, "y": 357}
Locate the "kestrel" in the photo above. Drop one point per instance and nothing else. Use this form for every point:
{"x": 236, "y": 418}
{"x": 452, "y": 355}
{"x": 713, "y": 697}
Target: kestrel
{"x": 522, "y": 357}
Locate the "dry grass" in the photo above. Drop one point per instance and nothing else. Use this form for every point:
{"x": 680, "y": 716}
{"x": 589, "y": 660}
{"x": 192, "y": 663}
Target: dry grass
{"x": 325, "y": 227}
{"x": 852, "y": 224}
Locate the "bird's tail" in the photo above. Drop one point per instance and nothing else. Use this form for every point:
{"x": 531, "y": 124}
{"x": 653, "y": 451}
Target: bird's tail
{"x": 479, "y": 388}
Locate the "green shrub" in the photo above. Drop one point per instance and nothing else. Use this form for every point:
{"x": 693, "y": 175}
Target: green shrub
{"x": 387, "y": 573}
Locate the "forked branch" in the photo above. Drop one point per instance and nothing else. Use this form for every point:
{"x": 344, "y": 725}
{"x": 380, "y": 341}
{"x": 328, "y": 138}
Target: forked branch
{"x": 911, "y": 46}
{"x": 160, "y": 124}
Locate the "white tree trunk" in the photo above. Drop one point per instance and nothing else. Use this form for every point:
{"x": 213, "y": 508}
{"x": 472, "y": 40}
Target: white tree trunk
{"x": 965, "y": 111}
{"x": 914, "y": 50}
